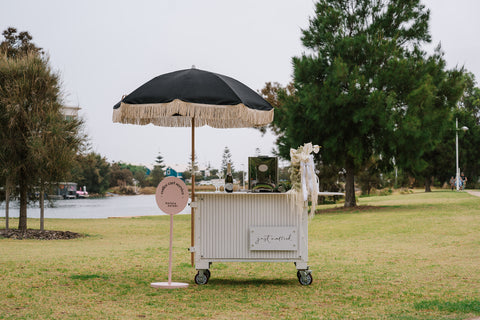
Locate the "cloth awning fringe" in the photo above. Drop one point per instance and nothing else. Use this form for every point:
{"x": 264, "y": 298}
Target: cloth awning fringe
{"x": 179, "y": 114}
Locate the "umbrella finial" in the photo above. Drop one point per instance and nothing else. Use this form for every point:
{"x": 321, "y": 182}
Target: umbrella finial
{"x": 193, "y": 66}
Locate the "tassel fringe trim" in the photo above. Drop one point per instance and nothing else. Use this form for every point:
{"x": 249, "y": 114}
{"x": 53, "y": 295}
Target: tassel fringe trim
{"x": 179, "y": 114}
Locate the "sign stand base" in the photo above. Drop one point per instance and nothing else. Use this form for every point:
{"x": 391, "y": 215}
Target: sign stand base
{"x": 166, "y": 285}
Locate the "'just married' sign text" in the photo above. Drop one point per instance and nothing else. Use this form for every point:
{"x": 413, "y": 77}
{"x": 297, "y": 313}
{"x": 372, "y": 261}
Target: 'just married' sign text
{"x": 274, "y": 238}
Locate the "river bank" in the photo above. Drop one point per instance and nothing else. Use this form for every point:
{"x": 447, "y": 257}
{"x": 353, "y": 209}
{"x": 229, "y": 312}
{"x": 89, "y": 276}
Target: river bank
{"x": 130, "y": 190}
{"x": 93, "y": 208}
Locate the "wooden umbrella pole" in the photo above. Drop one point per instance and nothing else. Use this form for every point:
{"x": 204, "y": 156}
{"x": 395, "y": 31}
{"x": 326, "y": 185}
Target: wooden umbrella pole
{"x": 192, "y": 216}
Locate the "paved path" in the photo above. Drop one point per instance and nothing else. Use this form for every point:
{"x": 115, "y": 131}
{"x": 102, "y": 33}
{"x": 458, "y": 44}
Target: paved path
{"x": 477, "y": 194}
{"x": 474, "y": 192}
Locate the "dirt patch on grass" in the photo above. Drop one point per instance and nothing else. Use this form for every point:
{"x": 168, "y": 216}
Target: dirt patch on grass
{"x": 39, "y": 235}
{"x": 349, "y": 209}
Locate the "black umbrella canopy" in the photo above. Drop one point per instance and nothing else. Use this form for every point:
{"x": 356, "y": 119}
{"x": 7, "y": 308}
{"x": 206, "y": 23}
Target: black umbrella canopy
{"x": 173, "y": 99}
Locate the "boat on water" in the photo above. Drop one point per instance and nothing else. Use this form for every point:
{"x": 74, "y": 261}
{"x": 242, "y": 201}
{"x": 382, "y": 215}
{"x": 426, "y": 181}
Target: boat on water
{"x": 82, "y": 194}
{"x": 68, "y": 190}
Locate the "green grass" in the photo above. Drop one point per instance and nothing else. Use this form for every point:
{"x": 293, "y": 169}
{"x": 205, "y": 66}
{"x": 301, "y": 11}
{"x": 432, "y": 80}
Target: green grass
{"x": 464, "y": 306}
{"x": 416, "y": 257}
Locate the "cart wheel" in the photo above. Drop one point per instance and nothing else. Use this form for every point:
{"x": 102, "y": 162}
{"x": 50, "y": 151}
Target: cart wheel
{"x": 304, "y": 277}
{"x": 202, "y": 277}
{"x": 207, "y": 273}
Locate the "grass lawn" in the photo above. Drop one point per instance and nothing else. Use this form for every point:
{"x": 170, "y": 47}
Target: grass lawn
{"x": 416, "y": 256}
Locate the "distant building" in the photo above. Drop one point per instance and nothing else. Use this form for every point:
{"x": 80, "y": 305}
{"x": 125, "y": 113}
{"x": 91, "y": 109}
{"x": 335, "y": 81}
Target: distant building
{"x": 70, "y": 112}
{"x": 172, "y": 173}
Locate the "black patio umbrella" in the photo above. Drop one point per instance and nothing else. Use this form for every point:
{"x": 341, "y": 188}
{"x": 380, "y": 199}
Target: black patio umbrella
{"x": 174, "y": 99}
{"x": 195, "y": 98}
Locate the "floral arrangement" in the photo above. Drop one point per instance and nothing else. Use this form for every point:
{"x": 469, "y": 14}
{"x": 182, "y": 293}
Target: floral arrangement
{"x": 302, "y": 173}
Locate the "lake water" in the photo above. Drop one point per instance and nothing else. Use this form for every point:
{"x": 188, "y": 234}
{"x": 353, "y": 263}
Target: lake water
{"x": 99, "y": 208}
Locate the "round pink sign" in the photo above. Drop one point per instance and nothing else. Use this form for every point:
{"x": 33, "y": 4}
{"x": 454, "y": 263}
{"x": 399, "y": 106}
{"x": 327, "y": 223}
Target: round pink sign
{"x": 172, "y": 195}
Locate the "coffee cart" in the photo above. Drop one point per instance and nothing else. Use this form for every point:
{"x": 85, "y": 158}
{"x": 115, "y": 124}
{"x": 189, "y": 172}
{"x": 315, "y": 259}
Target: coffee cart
{"x": 250, "y": 227}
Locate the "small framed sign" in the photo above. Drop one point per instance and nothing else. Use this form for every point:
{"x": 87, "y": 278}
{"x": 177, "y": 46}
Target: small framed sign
{"x": 274, "y": 238}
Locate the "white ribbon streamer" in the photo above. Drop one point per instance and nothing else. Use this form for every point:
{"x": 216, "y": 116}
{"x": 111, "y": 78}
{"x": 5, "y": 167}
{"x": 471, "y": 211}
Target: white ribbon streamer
{"x": 303, "y": 158}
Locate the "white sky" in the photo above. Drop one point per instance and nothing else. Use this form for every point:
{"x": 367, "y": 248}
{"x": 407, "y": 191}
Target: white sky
{"x": 104, "y": 49}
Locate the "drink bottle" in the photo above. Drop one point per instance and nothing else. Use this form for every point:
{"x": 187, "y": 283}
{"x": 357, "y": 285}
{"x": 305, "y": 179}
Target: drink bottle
{"x": 229, "y": 179}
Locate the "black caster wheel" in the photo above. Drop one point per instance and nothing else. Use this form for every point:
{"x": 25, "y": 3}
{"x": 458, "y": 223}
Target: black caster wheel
{"x": 305, "y": 278}
{"x": 202, "y": 277}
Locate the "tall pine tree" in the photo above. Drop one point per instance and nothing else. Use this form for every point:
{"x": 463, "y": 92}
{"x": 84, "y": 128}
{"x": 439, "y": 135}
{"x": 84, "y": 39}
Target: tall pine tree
{"x": 344, "y": 99}
{"x": 37, "y": 144}
{"x": 226, "y": 159}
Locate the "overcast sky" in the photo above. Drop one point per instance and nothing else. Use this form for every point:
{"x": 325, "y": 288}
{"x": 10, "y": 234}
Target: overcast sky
{"x": 104, "y": 49}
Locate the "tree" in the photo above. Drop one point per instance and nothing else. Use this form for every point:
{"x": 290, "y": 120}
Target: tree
{"x": 272, "y": 92}
{"x": 6, "y": 194}
{"x": 468, "y": 114}
{"x": 17, "y": 45}
{"x": 156, "y": 175}
{"x": 54, "y": 151}
{"x": 426, "y": 95}
{"x": 120, "y": 175}
{"x": 159, "y": 161}
{"x": 141, "y": 177}
{"x": 370, "y": 177}
{"x": 341, "y": 99}
{"x": 93, "y": 171}
{"x": 192, "y": 167}
{"x": 37, "y": 144}
{"x": 158, "y": 172}
{"x": 127, "y": 174}
{"x": 187, "y": 174}
{"x": 214, "y": 173}
{"x": 332, "y": 177}
{"x": 226, "y": 159}
{"x": 13, "y": 45}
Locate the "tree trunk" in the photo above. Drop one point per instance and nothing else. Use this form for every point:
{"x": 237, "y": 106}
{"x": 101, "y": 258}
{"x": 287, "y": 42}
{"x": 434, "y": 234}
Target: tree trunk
{"x": 22, "y": 221}
{"x": 428, "y": 184}
{"x": 42, "y": 207}
{"x": 7, "y": 205}
{"x": 350, "y": 200}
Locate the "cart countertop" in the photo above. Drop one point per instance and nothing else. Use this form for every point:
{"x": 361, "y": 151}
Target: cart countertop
{"x": 221, "y": 193}
{"x": 325, "y": 193}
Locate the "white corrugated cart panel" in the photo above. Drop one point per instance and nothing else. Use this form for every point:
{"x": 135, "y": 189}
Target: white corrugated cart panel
{"x": 233, "y": 227}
